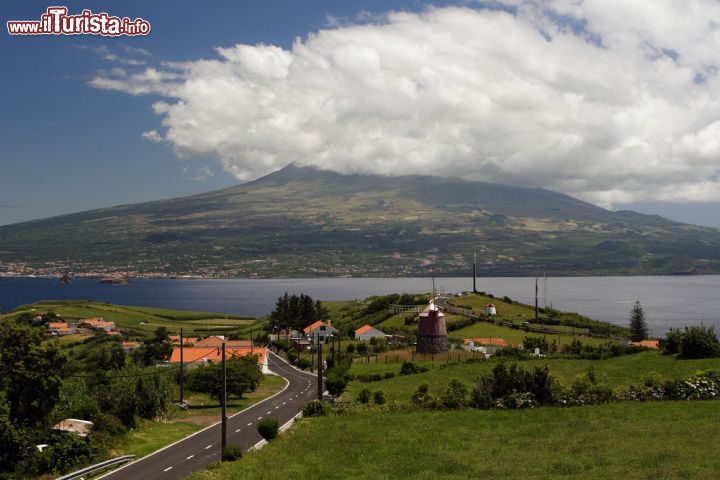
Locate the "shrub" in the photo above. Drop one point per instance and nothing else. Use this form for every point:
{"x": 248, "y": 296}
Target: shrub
{"x": 699, "y": 342}
{"x": 671, "y": 343}
{"x": 350, "y": 348}
{"x": 268, "y": 428}
{"x": 530, "y": 343}
{"x": 482, "y": 392}
{"x": 364, "y": 395}
{"x": 517, "y": 400}
{"x": 316, "y": 408}
{"x": 389, "y": 375}
{"x": 410, "y": 368}
{"x": 231, "y": 453}
{"x": 362, "y": 348}
{"x": 379, "y": 397}
{"x": 573, "y": 348}
{"x": 456, "y": 394}
{"x": 336, "y": 381}
{"x": 303, "y": 363}
{"x": 421, "y": 397}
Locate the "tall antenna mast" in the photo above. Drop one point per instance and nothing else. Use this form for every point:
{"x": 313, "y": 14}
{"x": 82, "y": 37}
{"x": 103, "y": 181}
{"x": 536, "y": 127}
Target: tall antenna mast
{"x": 433, "y": 283}
{"x": 545, "y": 304}
{"x": 474, "y": 271}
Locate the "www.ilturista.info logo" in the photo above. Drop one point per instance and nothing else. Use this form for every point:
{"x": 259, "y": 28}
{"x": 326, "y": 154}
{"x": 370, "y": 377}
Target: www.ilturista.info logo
{"x": 56, "y": 21}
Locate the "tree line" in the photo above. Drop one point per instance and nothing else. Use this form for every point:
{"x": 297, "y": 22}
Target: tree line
{"x": 295, "y": 312}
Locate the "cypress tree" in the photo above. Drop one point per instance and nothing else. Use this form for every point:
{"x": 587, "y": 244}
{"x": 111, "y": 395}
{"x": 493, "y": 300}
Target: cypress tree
{"x": 638, "y": 326}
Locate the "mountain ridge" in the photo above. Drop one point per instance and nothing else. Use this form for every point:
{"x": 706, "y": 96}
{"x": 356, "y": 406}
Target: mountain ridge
{"x": 304, "y": 221}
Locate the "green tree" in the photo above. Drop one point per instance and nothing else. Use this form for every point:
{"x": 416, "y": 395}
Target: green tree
{"x": 11, "y": 438}
{"x": 155, "y": 349}
{"x": 243, "y": 375}
{"x": 29, "y": 373}
{"x": 638, "y": 326}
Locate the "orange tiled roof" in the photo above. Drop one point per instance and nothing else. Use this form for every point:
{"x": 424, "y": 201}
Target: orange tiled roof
{"x": 57, "y": 325}
{"x": 199, "y": 354}
{"x": 317, "y": 324}
{"x": 362, "y": 329}
{"x": 497, "y": 341}
{"x": 648, "y": 343}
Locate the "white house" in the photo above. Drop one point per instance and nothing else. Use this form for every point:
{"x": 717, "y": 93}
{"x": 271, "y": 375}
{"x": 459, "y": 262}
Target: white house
{"x": 366, "y": 332}
{"x": 319, "y": 330}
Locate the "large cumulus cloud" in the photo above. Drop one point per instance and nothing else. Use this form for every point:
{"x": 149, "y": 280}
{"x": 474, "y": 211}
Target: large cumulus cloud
{"x": 612, "y": 101}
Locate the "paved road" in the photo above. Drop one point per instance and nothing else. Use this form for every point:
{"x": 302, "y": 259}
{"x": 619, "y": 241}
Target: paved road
{"x": 203, "y": 448}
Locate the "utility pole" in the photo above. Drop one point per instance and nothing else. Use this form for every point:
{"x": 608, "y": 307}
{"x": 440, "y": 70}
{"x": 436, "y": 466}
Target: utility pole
{"x": 312, "y": 354}
{"x": 339, "y": 341}
{"x": 223, "y": 401}
{"x": 320, "y": 370}
{"x": 536, "y": 298}
{"x": 182, "y": 370}
{"x": 333, "y": 350}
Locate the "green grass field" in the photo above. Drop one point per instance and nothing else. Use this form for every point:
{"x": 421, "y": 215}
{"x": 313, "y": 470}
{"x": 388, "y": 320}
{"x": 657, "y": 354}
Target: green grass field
{"x": 514, "y": 336}
{"x": 615, "y": 372}
{"x": 141, "y": 320}
{"x": 668, "y": 440}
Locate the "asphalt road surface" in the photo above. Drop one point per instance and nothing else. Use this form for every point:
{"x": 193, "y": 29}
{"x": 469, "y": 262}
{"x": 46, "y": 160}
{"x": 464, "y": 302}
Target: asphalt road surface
{"x": 203, "y": 448}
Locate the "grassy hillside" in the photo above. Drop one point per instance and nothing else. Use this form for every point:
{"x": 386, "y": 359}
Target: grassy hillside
{"x": 306, "y": 222}
{"x": 615, "y": 372}
{"x": 139, "y": 320}
{"x": 666, "y": 440}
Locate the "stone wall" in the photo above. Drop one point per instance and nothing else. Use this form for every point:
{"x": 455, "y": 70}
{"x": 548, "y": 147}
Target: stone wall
{"x": 432, "y": 344}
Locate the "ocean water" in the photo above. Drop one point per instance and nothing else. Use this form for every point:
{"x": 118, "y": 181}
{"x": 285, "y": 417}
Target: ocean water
{"x": 669, "y": 301}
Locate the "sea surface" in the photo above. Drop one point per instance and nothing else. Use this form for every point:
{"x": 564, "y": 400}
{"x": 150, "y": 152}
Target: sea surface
{"x": 670, "y": 301}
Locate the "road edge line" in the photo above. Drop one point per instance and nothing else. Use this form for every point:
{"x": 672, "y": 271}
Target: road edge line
{"x": 287, "y": 384}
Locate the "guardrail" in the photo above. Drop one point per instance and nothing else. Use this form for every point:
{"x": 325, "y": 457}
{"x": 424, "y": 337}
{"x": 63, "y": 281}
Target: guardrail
{"x": 99, "y": 466}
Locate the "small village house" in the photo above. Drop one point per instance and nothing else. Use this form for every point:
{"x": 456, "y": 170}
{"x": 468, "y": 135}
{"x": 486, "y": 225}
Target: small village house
{"x": 366, "y": 332}
{"x": 319, "y": 331}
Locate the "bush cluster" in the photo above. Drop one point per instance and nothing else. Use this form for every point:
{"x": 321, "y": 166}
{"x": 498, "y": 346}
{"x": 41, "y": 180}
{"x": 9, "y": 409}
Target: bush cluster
{"x": 701, "y": 386}
{"x": 693, "y": 342}
{"x": 375, "y": 377}
{"x": 231, "y": 453}
{"x": 599, "y": 352}
{"x": 268, "y": 428}
{"x": 410, "y": 368}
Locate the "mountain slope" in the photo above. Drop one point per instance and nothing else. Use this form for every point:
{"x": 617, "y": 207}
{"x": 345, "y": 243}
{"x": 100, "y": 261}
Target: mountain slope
{"x": 301, "y": 221}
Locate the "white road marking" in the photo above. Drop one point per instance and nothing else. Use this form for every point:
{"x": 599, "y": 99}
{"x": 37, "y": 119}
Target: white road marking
{"x": 268, "y": 413}
{"x": 277, "y": 408}
{"x": 284, "y": 403}
{"x": 169, "y": 468}
{"x": 191, "y": 456}
{"x": 209, "y": 446}
{"x": 259, "y": 418}
{"x": 249, "y": 424}
{"x": 237, "y": 430}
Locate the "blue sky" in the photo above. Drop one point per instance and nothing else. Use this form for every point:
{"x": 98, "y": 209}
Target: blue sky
{"x": 67, "y": 146}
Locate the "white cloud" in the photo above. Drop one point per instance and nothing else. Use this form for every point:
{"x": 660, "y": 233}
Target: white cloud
{"x": 201, "y": 173}
{"x": 613, "y": 101}
{"x": 153, "y": 136}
